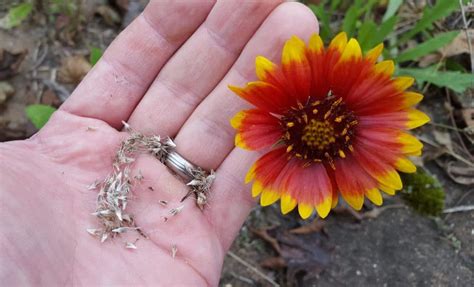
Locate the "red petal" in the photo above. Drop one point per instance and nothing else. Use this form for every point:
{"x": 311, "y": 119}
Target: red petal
{"x": 310, "y": 185}
{"x": 264, "y": 96}
{"x": 295, "y": 66}
{"x": 353, "y": 181}
{"x": 256, "y": 129}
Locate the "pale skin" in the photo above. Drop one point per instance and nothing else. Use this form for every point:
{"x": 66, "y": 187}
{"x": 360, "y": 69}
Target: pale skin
{"x": 166, "y": 74}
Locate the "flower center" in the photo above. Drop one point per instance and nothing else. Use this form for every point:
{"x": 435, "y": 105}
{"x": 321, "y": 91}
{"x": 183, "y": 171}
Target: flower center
{"x": 319, "y": 131}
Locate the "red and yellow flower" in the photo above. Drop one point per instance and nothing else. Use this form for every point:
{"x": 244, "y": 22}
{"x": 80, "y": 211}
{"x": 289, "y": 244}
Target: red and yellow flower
{"x": 335, "y": 122}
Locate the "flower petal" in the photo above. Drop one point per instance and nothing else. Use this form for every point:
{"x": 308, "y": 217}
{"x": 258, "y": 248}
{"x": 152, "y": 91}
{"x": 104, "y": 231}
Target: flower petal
{"x": 264, "y": 96}
{"x": 256, "y": 129}
{"x": 411, "y": 99}
{"x": 374, "y": 196}
{"x": 305, "y": 210}
{"x": 352, "y": 52}
{"x": 416, "y": 119}
{"x": 405, "y": 165}
{"x": 353, "y": 182}
{"x": 339, "y": 42}
{"x": 403, "y": 83}
{"x": 295, "y": 66}
{"x": 288, "y": 203}
{"x": 311, "y": 187}
{"x": 374, "y": 53}
{"x": 266, "y": 170}
{"x": 264, "y": 68}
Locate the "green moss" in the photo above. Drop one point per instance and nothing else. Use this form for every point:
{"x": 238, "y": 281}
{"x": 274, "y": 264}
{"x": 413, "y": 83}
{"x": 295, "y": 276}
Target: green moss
{"x": 423, "y": 193}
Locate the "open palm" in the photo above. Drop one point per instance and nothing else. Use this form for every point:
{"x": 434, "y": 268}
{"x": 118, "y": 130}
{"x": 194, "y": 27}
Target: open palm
{"x": 166, "y": 74}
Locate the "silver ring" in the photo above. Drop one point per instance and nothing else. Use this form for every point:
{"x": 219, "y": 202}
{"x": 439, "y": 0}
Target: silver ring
{"x": 180, "y": 165}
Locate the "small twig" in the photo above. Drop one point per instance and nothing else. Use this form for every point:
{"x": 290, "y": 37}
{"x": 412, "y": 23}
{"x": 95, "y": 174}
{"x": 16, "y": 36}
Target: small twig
{"x": 449, "y": 151}
{"x": 446, "y": 127}
{"x": 453, "y": 122}
{"x": 466, "y": 30}
{"x": 254, "y": 269}
{"x": 459, "y": 209}
{"x": 458, "y": 202}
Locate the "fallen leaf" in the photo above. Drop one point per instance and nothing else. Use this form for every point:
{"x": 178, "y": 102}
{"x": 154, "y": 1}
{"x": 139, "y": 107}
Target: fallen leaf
{"x": 10, "y": 63}
{"x": 263, "y": 234}
{"x": 6, "y": 90}
{"x": 73, "y": 69}
{"x": 468, "y": 116}
{"x": 443, "y": 138}
{"x": 458, "y": 46}
{"x": 110, "y": 16}
{"x": 460, "y": 172}
{"x": 314, "y": 226}
{"x": 50, "y": 98}
{"x": 302, "y": 255}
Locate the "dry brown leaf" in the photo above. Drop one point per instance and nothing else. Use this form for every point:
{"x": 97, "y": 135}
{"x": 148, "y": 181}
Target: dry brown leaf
{"x": 460, "y": 172}
{"x": 443, "y": 138}
{"x": 73, "y": 69}
{"x": 314, "y": 226}
{"x": 10, "y": 63}
{"x": 458, "y": 46}
{"x": 110, "y": 16}
{"x": 468, "y": 116}
{"x": 302, "y": 255}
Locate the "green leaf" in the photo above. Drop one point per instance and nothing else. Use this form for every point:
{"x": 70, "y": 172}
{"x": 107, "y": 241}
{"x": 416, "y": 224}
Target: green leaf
{"x": 335, "y": 4}
{"x": 455, "y": 81}
{"x": 392, "y": 8}
{"x": 366, "y": 34}
{"x": 374, "y": 37}
{"x": 95, "y": 55}
{"x": 39, "y": 114}
{"x": 323, "y": 17}
{"x": 350, "y": 20}
{"x": 427, "y": 47}
{"x": 440, "y": 10}
{"x": 16, "y": 15}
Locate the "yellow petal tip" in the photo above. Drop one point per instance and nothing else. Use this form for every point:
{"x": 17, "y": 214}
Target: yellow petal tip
{"x": 324, "y": 207}
{"x": 352, "y": 52}
{"x": 287, "y": 203}
{"x": 305, "y": 210}
{"x": 416, "y": 119}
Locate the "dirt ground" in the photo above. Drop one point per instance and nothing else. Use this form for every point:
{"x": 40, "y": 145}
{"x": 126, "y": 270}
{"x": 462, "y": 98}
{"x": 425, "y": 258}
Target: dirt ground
{"x": 398, "y": 247}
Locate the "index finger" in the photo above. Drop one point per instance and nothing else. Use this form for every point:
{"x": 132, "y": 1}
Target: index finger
{"x": 115, "y": 85}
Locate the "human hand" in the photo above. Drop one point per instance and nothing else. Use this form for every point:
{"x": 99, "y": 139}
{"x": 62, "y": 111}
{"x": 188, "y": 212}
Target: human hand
{"x": 166, "y": 74}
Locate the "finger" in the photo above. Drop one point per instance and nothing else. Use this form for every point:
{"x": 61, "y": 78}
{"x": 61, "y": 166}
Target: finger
{"x": 198, "y": 66}
{"x": 230, "y": 201}
{"x": 209, "y": 123}
{"x": 118, "y": 81}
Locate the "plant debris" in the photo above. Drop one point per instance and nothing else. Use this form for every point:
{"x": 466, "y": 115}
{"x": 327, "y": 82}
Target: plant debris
{"x": 303, "y": 256}
{"x": 10, "y": 63}
{"x": 116, "y": 188}
{"x": 174, "y": 250}
{"x": 73, "y": 69}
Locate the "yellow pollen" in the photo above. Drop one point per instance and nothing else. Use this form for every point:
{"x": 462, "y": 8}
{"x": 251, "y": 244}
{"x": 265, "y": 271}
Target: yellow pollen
{"x": 342, "y": 154}
{"x": 344, "y": 132}
{"x": 318, "y": 134}
{"x": 351, "y": 148}
{"x": 289, "y": 148}
{"x": 290, "y": 124}
{"x": 315, "y": 111}
{"x": 338, "y": 119}
{"x": 298, "y": 155}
